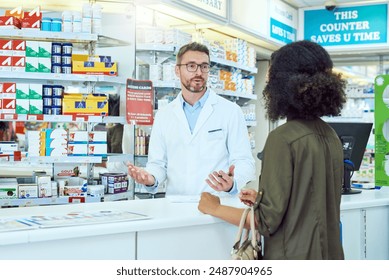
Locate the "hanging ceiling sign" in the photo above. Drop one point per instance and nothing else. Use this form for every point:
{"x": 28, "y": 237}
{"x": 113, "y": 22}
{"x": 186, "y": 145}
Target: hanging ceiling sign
{"x": 139, "y": 102}
{"x": 347, "y": 25}
{"x": 283, "y": 22}
{"x": 217, "y": 7}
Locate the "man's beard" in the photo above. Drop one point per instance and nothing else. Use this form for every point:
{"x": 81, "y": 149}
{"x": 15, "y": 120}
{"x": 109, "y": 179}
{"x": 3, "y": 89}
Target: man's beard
{"x": 196, "y": 89}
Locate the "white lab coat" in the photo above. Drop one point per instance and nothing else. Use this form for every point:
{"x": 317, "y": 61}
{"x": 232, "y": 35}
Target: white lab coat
{"x": 184, "y": 160}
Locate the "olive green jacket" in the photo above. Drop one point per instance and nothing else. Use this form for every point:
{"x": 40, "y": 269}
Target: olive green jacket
{"x": 301, "y": 182}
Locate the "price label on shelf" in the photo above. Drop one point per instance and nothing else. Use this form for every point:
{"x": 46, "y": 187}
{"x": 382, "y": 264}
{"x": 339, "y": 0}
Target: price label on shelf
{"x": 10, "y": 116}
{"x": 57, "y": 76}
{"x": 53, "y": 118}
{"x": 76, "y": 199}
{"x": 79, "y": 118}
{"x": 35, "y": 117}
{"x": 95, "y": 119}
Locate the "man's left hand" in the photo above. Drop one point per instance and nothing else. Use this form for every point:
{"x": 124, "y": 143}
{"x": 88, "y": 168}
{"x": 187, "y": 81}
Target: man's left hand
{"x": 221, "y": 181}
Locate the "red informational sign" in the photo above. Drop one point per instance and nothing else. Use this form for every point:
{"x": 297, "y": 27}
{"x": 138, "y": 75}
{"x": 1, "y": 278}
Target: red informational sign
{"x": 139, "y": 102}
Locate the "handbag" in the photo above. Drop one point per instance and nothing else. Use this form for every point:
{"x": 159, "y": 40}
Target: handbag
{"x": 250, "y": 247}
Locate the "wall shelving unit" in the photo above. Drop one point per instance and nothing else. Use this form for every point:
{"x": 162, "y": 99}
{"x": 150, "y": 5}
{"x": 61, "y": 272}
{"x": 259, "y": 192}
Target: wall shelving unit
{"x": 89, "y": 42}
{"x": 158, "y": 53}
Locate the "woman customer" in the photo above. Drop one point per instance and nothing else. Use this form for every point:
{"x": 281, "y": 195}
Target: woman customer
{"x": 299, "y": 192}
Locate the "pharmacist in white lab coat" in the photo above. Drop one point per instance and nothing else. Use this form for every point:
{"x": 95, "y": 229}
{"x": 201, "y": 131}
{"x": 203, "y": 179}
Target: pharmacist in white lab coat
{"x": 199, "y": 142}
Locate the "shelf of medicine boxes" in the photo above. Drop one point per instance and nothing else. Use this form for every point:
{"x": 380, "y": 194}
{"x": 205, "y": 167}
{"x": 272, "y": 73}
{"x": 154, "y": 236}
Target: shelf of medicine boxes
{"x": 229, "y": 93}
{"x": 77, "y": 159}
{"x": 45, "y": 162}
{"x": 176, "y": 84}
{"x": 62, "y": 78}
{"x": 39, "y": 35}
{"x": 41, "y": 201}
{"x": 233, "y": 94}
{"x": 64, "y": 159}
{"x": 25, "y": 202}
{"x": 20, "y": 168}
{"x": 62, "y": 118}
{"x": 174, "y": 48}
{"x": 67, "y": 199}
{"x": 71, "y": 159}
{"x": 82, "y": 38}
{"x": 236, "y": 94}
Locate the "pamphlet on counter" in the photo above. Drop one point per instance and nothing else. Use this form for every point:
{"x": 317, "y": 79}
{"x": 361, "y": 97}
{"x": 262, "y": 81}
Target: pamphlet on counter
{"x": 70, "y": 219}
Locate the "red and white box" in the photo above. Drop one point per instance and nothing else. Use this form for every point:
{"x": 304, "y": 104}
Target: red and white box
{"x": 9, "y": 106}
{"x": 5, "y": 63}
{"x": 6, "y": 47}
{"x": 34, "y": 23}
{"x": 9, "y": 88}
{"x": 77, "y": 136}
{"x": 16, "y": 12}
{"x": 77, "y": 149}
{"x": 10, "y": 22}
{"x": 18, "y": 48}
{"x": 32, "y": 19}
{"x": 97, "y": 149}
{"x": 18, "y": 64}
{"x": 97, "y": 136}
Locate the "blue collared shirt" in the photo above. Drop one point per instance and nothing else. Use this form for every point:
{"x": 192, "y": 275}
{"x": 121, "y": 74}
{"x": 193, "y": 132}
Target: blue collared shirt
{"x": 192, "y": 112}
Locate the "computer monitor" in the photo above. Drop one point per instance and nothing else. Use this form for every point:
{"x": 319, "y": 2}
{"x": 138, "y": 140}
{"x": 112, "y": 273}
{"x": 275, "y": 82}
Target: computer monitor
{"x": 354, "y": 137}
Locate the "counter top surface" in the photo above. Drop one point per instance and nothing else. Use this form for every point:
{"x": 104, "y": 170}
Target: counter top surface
{"x": 163, "y": 212}
{"x": 368, "y": 198}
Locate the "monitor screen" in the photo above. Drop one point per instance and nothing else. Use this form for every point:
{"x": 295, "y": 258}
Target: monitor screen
{"x": 354, "y": 137}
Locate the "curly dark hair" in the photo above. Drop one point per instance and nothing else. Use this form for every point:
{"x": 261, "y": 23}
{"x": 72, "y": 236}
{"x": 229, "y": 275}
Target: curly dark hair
{"x": 301, "y": 83}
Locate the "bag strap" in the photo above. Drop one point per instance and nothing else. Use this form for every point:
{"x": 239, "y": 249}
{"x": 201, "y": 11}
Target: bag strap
{"x": 256, "y": 206}
{"x": 238, "y": 237}
{"x": 253, "y": 230}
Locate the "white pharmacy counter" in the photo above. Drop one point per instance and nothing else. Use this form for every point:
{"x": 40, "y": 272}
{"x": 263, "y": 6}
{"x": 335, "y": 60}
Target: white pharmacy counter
{"x": 176, "y": 230}
{"x": 365, "y": 225}
{"x": 173, "y": 231}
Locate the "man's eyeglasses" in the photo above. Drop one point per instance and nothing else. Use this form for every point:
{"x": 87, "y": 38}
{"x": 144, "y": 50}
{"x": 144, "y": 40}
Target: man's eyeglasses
{"x": 192, "y": 67}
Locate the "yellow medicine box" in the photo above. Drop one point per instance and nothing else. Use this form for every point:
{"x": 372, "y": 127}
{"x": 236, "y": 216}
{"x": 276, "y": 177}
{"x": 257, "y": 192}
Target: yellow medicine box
{"x": 86, "y": 57}
{"x": 95, "y": 68}
{"x": 84, "y": 105}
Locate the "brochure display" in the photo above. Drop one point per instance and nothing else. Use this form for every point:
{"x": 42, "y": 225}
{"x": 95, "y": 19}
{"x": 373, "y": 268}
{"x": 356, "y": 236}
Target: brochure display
{"x": 13, "y": 225}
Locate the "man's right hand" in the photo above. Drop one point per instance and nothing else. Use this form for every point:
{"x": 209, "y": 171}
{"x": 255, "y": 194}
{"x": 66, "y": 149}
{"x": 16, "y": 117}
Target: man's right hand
{"x": 140, "y": 175}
